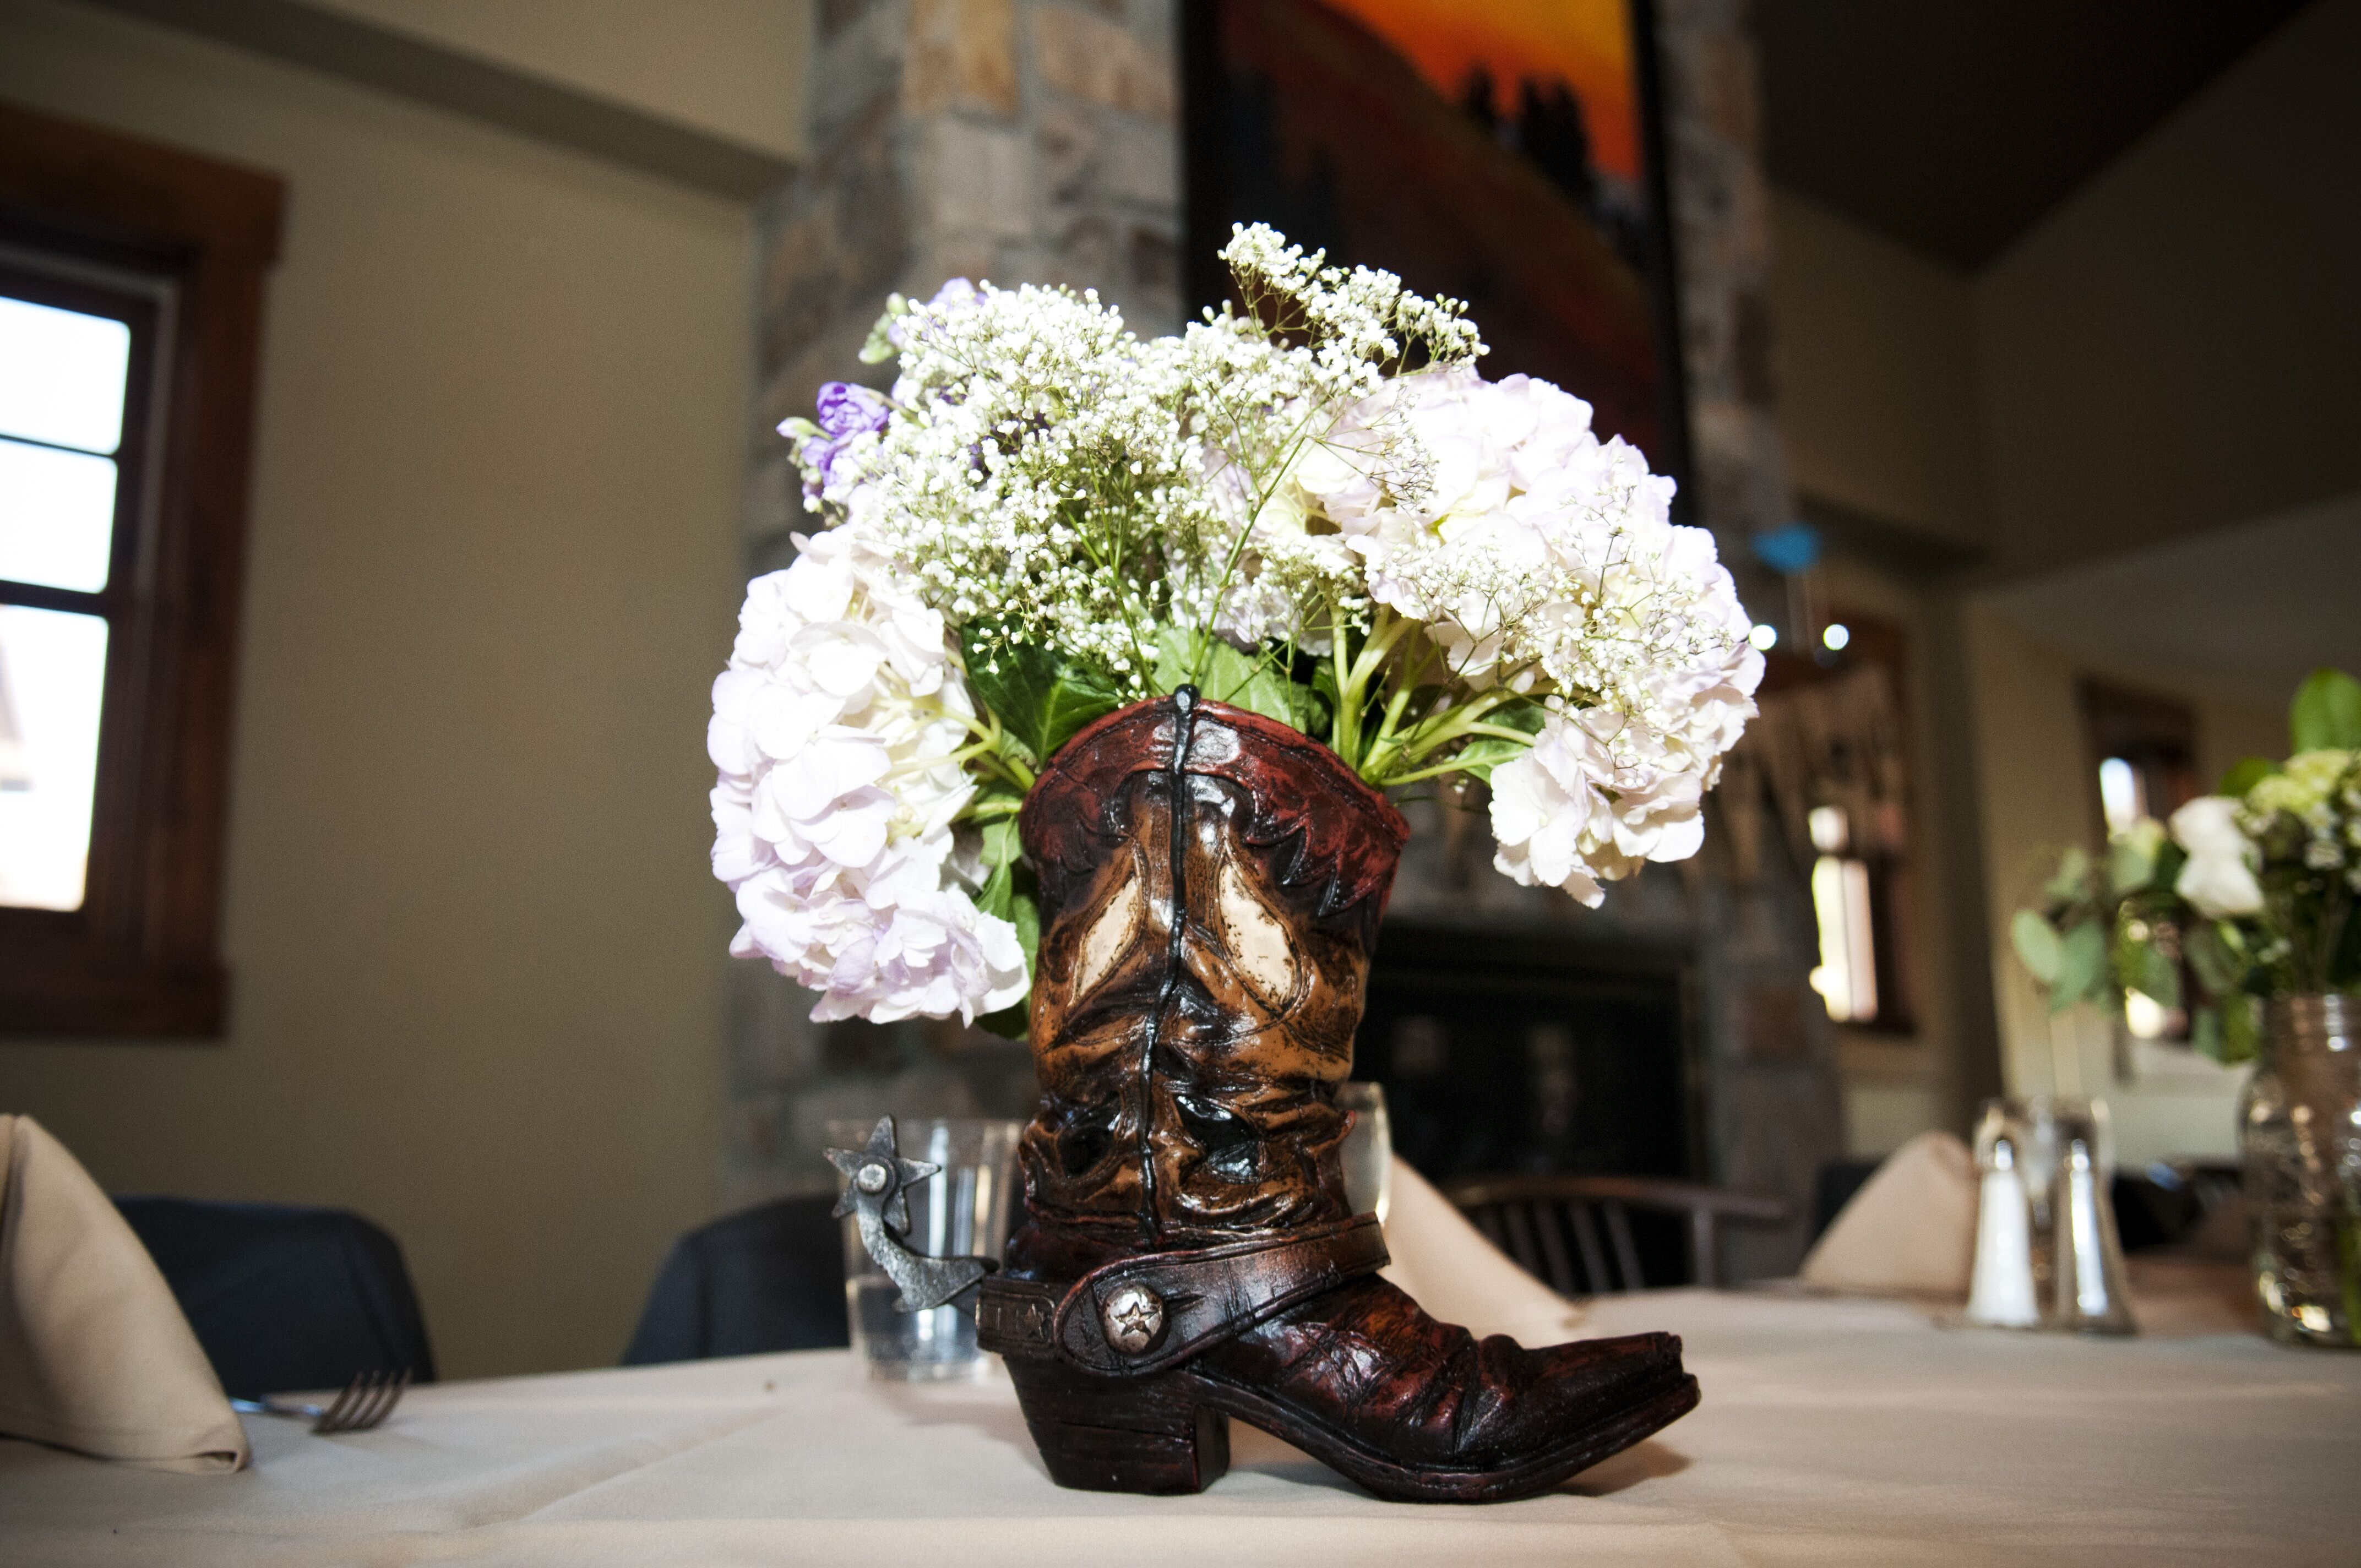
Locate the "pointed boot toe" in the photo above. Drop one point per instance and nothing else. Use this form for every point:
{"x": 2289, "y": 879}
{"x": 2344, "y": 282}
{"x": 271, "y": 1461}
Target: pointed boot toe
{"x": 1610, "y": 1372}
{"x": 1418, "y": 1410}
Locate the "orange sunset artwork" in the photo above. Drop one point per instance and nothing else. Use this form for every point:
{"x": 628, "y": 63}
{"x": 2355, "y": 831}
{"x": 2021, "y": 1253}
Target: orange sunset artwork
{"x": 1587, "y": 44}
{"x": 1489, "y": 151}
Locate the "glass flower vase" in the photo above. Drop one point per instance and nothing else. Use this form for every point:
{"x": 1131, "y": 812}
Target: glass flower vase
{"x": 2300, "y": 1129}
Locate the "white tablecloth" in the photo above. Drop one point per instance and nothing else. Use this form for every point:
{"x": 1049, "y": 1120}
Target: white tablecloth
{"x": 1831, "y": 1432}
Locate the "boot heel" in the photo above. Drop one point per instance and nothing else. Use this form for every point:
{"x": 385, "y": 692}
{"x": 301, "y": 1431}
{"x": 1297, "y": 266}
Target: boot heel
{"x": 1120, "y": 1434}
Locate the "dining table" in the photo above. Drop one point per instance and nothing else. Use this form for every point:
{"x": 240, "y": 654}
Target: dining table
{"x": 1833, "y": 1430}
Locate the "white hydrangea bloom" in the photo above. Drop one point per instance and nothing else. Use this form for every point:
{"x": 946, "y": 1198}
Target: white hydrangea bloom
{"x": 1539, "y": 555}
{"x": 835, "y": 731}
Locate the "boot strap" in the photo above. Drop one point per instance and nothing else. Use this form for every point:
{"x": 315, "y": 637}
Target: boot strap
{"x": 1143, "y": 1314}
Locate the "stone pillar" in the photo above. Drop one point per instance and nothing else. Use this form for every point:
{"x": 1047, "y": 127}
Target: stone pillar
{"x": 1023, "y": 141}
{"x": 1721, "y": 235}
{"x": 1773, "y": 1110}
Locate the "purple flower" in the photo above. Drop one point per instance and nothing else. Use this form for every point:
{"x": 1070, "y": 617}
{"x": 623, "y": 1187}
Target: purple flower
{"x": 846, "y": 410}
{"x": 956, "y": 294}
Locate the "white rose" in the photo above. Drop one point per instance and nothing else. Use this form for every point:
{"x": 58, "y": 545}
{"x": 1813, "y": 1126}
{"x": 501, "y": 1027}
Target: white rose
{"x": 2219, "y": 878}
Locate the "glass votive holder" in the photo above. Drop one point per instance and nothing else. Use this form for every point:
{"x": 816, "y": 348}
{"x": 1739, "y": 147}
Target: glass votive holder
{"x": 1369, "y": 1153}
{"x": 961, "y": 1210}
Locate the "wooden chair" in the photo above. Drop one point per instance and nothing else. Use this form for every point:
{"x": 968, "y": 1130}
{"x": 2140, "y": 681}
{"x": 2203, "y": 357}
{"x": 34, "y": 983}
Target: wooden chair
{"x": 1533, "y": 1217}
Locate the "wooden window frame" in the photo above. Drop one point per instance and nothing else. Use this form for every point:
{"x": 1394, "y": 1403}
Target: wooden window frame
{"x": 1892, "y": 881}
{"x": 2156, "y": 734}
{"x": 141, "y": 956}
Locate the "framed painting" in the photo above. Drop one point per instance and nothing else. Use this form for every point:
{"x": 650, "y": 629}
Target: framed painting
{"x": 1508, "y": 154}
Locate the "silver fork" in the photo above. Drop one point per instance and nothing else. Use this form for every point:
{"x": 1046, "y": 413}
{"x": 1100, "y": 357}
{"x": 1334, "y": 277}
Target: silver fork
{"x": 366, "y": 1400}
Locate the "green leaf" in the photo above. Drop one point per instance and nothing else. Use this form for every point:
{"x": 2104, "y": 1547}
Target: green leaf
{"x": 1484, "y": 752}
{"x": 2071, "y": 884}
{"x": 2081, "y": 966}
{"x": 2131, "y": 861}
{"x": 1315, "y": 711}
{"x": 1010, "y": 1022}
{"x": 2035, "y": 941}
{"x": 879, "y": 347}
{"x": 2240, "y": 1029}
{"x": 1010, "y": 893}
{"x": 2244, "y": 774}
{"x": 2219, "y": 969}
{"x": 1039, "y": 697}
{"x": 2142, "y": 966}
{"x": 2205, "y": 1032}
{"x": 1226, "y": 675}
{"x": 1000, "y": 847}
{"x": 1323, "y": 699}
{"x": 2326, "y": 713}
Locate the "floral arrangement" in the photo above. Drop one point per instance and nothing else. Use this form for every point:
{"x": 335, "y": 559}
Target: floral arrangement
{"x": 2252, "y": 887}
{"x": 1310, "y": 505}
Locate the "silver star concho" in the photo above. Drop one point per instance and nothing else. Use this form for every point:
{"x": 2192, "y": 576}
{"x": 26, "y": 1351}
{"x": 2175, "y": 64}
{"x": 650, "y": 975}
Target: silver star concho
{"x": 876, "y": 1193}
{"x": 1134, "y": 1317}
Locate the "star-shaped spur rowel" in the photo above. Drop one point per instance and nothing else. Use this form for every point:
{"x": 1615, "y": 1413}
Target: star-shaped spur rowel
{"x": 876, "y": 1193}
{"x": 879, "y": 1171}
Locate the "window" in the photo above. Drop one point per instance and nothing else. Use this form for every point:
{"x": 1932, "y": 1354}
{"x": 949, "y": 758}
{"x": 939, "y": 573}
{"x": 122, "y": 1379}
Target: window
{"x": 1846, "y": 976}
{"x": 1828, "y": 751}
{"x": 2144, "y": 748}
{"x": 130, "y": 302}
{"x": 70, "y": 456}
{"x": 2143, "y": 754}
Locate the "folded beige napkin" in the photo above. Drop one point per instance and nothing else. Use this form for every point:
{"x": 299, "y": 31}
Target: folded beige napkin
{"x": 1461, "y": 1277}
{"x": 1910, "y": 1231}
{"x": 94, "y": 1354}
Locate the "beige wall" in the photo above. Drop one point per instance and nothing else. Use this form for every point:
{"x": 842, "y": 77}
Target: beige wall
{"x": 731, "y": 68}
{"x": 1877, "y": 383}
{"x": 477, "y": 956}
{"x": 2178, "y": 346}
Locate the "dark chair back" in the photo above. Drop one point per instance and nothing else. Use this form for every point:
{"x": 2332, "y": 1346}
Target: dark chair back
{"x": 1574, "y": 1233}
{"x": 284, "y": 1298}
{"x": 768, "y": 1278}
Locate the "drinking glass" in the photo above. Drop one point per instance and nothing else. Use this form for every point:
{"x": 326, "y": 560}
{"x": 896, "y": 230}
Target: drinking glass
{"x": 961, "y": 1210}
{"x": 1369, "y": 1153}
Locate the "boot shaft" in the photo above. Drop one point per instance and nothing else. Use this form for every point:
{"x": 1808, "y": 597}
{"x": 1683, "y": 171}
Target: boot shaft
{"x": 1211, "y": 884}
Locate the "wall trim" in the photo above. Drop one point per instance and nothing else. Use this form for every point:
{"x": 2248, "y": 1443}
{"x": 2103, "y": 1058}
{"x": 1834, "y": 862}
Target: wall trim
{"x": 425, "y": 72}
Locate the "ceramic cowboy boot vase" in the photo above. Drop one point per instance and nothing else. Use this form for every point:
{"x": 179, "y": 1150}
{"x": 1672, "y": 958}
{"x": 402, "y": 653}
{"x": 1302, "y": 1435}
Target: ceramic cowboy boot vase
{"x": 1211, "y": 883}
